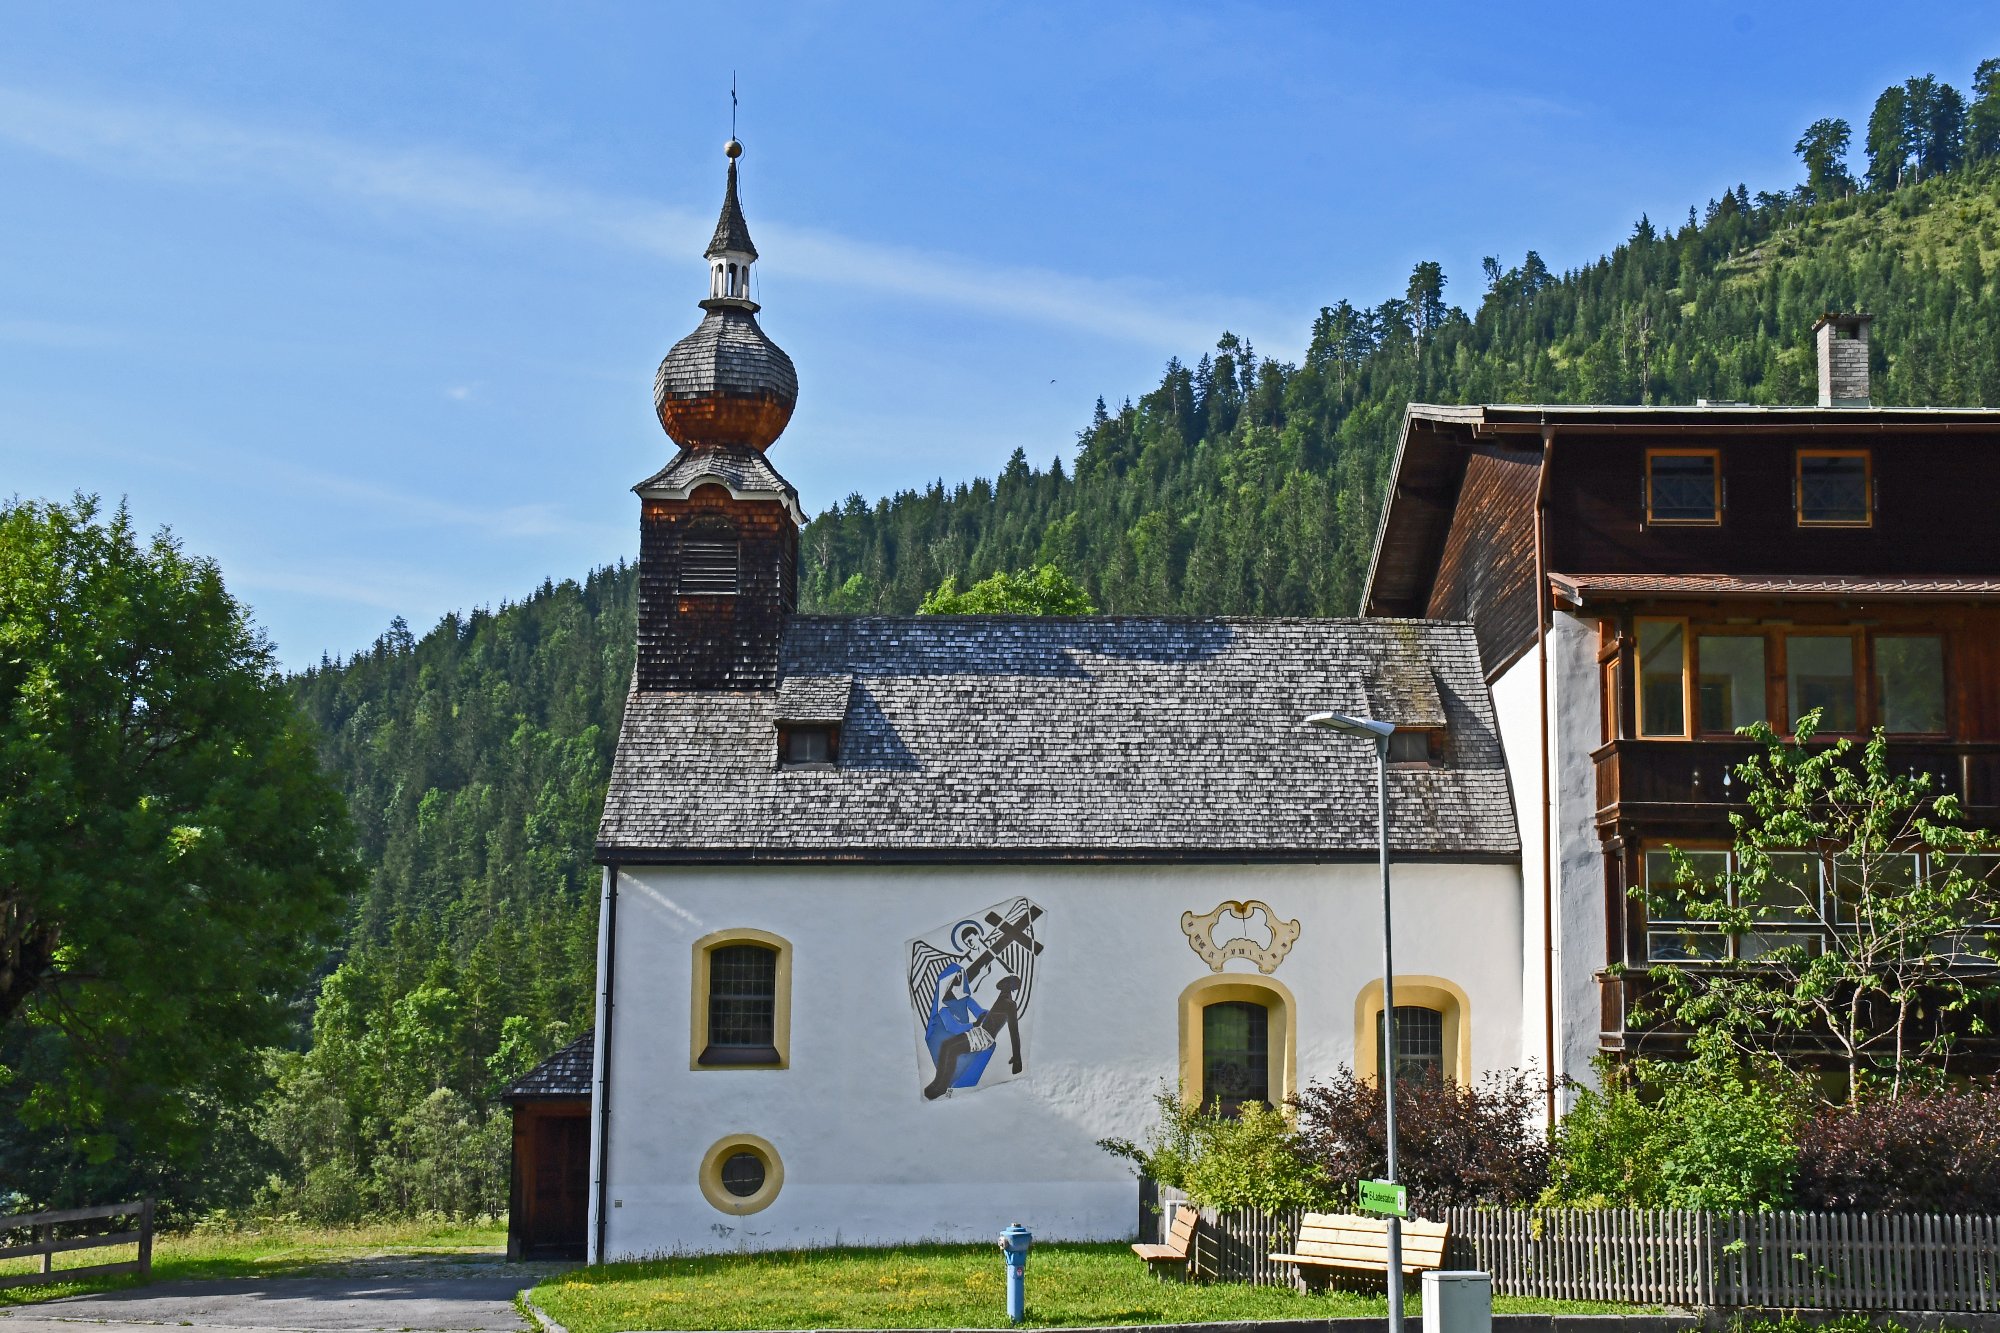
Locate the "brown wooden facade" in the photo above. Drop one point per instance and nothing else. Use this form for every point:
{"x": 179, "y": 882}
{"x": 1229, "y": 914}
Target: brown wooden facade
{"x": 1510, "y": 517}
{"x": 693, "y": 636}
{"x": 548, "y": 1200}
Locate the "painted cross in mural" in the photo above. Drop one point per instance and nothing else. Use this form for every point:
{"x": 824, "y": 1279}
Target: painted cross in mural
{"x": 970, "y": 983}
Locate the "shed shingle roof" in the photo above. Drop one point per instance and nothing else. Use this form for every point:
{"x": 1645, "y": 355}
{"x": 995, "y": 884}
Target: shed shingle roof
{"x": 1026, "y": 738}
{"x": 564, "y": 1074}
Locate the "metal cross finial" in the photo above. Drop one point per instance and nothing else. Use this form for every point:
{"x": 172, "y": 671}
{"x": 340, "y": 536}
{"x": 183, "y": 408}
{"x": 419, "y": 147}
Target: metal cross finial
{"x": 732, "y": 104}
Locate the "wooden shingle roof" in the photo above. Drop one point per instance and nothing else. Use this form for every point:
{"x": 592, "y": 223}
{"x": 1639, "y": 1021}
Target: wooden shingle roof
{"x": 1018, "y": 738}
{"x": 564, "y": 1074}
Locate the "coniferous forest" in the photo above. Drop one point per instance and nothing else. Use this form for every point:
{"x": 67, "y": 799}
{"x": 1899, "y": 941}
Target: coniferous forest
{"x": 475, "y": 756}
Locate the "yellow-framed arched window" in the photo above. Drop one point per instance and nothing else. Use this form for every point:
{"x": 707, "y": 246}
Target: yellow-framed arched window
{"x": 742, "y": 1001}
{"x": 1238, "y": 1042}
{"x": 1433, "y": 1030}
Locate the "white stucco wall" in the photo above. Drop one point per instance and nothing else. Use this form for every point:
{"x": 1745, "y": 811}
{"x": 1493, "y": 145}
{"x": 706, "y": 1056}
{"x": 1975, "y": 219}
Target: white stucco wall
{"x": 1575, "y": 713}
{"x": 866, "y": 1159}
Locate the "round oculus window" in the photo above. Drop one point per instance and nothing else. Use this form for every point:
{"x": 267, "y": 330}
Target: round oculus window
{"x": 743, "y": 1173}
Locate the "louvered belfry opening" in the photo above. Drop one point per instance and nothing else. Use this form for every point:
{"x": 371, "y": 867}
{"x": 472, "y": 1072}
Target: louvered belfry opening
{"x": 711, "y": 560}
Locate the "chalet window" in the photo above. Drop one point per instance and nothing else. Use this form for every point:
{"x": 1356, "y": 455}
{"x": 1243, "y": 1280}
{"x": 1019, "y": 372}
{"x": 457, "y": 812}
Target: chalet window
{"x": 1909, "y": 684}
{"x": 1663, "y": 678}
{"x": 1788, "y": 899}
{"x": 1415, "y": 746}
{"x": 1419, "y": 1045}
{"x": 710, "y": 560}
{"x": 1819, "y": 673}
{"x": 1834, "y": 488}
{"x": 1674, "y": 933}
{"x": 1852, "y": 877}
{"x": 1729, "y": 684}
{"x": 1683, "y": 486}
{"x": 805, "y": 746}
{"x": 1235, "y": 1055}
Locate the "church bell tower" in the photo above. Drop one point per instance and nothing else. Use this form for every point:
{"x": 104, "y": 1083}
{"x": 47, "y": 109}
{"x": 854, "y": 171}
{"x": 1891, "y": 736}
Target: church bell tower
{"x": 718, "y": 527}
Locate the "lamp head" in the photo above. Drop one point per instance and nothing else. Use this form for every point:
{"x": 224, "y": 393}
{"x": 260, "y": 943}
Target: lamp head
{"x": 1353, "y": 726}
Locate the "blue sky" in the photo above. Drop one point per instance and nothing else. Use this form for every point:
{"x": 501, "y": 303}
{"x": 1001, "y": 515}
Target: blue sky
{"x": 364, "y": 300}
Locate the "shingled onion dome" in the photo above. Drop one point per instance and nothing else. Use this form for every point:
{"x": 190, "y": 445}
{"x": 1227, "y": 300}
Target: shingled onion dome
{"x": 726, "y": 385}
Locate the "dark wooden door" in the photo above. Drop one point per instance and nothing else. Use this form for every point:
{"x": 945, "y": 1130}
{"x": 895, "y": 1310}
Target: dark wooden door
{"x": 558, "y": 1207}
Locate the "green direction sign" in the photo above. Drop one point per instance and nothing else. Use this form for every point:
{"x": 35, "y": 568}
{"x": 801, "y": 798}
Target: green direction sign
{"x": 1379, "y": 1196}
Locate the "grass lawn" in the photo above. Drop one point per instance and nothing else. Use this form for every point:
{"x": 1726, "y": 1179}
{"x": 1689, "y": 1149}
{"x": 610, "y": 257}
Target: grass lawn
{"x": 928, "y": 1286}
{"x": 262, "y": 1251}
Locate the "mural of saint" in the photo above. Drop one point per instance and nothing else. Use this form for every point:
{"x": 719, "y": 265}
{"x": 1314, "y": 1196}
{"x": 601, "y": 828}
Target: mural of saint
{"x": 970, "y": 984}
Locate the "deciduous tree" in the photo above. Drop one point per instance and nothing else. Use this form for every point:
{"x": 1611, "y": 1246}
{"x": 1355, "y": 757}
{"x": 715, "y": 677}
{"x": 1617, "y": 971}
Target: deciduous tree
{"x": 1881, "y": 969}
{"x": 172, "y": 857}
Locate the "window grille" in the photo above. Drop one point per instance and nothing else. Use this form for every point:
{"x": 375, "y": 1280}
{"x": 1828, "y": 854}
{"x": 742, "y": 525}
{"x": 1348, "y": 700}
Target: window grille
{"x": 1419, "y": 1044}
{"x": 709, "y": 567}
{"x": 742, "y": 1005}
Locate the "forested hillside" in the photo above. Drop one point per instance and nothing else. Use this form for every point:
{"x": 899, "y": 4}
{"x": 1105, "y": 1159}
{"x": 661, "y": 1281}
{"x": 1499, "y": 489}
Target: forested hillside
{"x": 1245, "y": 484}
{"x": 475, "y": 757}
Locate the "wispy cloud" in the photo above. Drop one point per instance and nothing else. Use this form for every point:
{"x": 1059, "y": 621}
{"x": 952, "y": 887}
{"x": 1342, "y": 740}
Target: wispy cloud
{"x": 174, "y": 143}
{"x": 385, "y": 590}
{"x": 53, "y": 333}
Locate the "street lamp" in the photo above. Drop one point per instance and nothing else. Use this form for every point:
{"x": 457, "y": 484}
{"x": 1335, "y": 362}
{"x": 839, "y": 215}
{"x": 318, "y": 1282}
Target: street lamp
{"x": 1379, "y": 732}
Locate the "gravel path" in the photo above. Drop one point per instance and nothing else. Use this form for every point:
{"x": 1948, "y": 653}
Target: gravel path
{"x": 465, "y": 1295}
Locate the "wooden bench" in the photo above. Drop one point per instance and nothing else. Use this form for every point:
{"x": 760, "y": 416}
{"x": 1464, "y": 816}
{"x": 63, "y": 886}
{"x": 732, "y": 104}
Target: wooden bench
{"x": 1180, "y": 1241}
{"x": 1336, "y": 1242}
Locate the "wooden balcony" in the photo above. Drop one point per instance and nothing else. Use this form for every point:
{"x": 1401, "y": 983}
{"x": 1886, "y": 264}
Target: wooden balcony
{"x": 1694, "y": 782}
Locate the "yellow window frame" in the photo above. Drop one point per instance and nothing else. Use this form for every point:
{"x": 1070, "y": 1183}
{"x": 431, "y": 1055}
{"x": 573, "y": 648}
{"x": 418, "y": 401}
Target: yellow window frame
{"x": 781, "y": 1004}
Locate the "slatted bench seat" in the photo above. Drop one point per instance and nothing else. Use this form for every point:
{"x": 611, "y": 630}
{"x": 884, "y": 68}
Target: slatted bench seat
{"x": 1180, "y": 1242}
{"x": 1330, "y": 1242}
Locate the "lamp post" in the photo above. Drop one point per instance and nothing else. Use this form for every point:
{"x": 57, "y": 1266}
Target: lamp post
{"x": 1379, "y": 732}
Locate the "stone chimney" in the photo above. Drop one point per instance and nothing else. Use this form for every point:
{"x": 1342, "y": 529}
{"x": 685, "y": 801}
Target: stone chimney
{"x": 1842, "y": 342}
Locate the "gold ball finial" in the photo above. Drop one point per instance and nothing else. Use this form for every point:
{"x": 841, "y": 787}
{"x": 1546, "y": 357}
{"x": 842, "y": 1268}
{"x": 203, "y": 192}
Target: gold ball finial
{"x": 733, "y": 149}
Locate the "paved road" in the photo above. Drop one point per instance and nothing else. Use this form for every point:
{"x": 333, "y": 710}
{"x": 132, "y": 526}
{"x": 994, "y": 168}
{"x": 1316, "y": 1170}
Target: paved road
{"x": 467, "y": 1296}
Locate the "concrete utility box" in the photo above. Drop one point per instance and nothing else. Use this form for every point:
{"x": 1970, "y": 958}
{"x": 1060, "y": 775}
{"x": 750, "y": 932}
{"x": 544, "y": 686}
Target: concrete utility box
{"x": 1458, "y": 1302}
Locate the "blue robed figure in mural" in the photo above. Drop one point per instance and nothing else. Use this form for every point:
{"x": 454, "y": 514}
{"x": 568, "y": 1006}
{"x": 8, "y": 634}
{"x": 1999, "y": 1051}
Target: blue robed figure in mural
{"x": 968, "y": 996}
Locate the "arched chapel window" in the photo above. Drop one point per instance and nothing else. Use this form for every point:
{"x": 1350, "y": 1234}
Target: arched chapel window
{"x": 1419, "y": 1044}
{"x": 742, "y": 1000}
{"x": 1235, "y": 1055}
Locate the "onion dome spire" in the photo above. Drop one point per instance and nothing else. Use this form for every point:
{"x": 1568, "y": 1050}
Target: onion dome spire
{"x": 727, "y": 385}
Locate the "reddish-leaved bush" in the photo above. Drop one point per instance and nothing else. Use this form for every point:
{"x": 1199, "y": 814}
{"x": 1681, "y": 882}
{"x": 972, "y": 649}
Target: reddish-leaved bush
{"x": 1928, "y": 1153}
{"x": 1456, "y": 1144}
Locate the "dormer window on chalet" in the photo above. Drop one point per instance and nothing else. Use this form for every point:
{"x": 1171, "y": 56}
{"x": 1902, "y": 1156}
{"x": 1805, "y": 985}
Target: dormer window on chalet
{"x": 1835, "y": 488}
{"x": 1695, "y": 680}
{"x": 1684, "y": 486}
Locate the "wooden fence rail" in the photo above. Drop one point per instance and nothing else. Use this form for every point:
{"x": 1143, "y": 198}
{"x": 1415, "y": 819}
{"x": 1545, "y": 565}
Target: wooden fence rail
{"x": 44, "y": 1241}
{"x": 1846, "y": 1261}
{"x": 1829, "y": 1261}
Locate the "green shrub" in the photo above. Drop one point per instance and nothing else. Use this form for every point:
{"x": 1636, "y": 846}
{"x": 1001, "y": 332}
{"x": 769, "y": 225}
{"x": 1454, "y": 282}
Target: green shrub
{"x": 1251, "y": 1161}
{"x": 1705, "y": 1133}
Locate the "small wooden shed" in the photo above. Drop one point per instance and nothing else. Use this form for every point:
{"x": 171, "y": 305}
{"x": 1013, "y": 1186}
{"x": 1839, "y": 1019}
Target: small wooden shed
{"x": 548, "y": 1199}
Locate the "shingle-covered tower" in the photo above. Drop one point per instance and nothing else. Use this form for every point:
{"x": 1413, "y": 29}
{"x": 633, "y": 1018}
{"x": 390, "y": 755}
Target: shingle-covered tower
{"x": 718, "y": 527}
